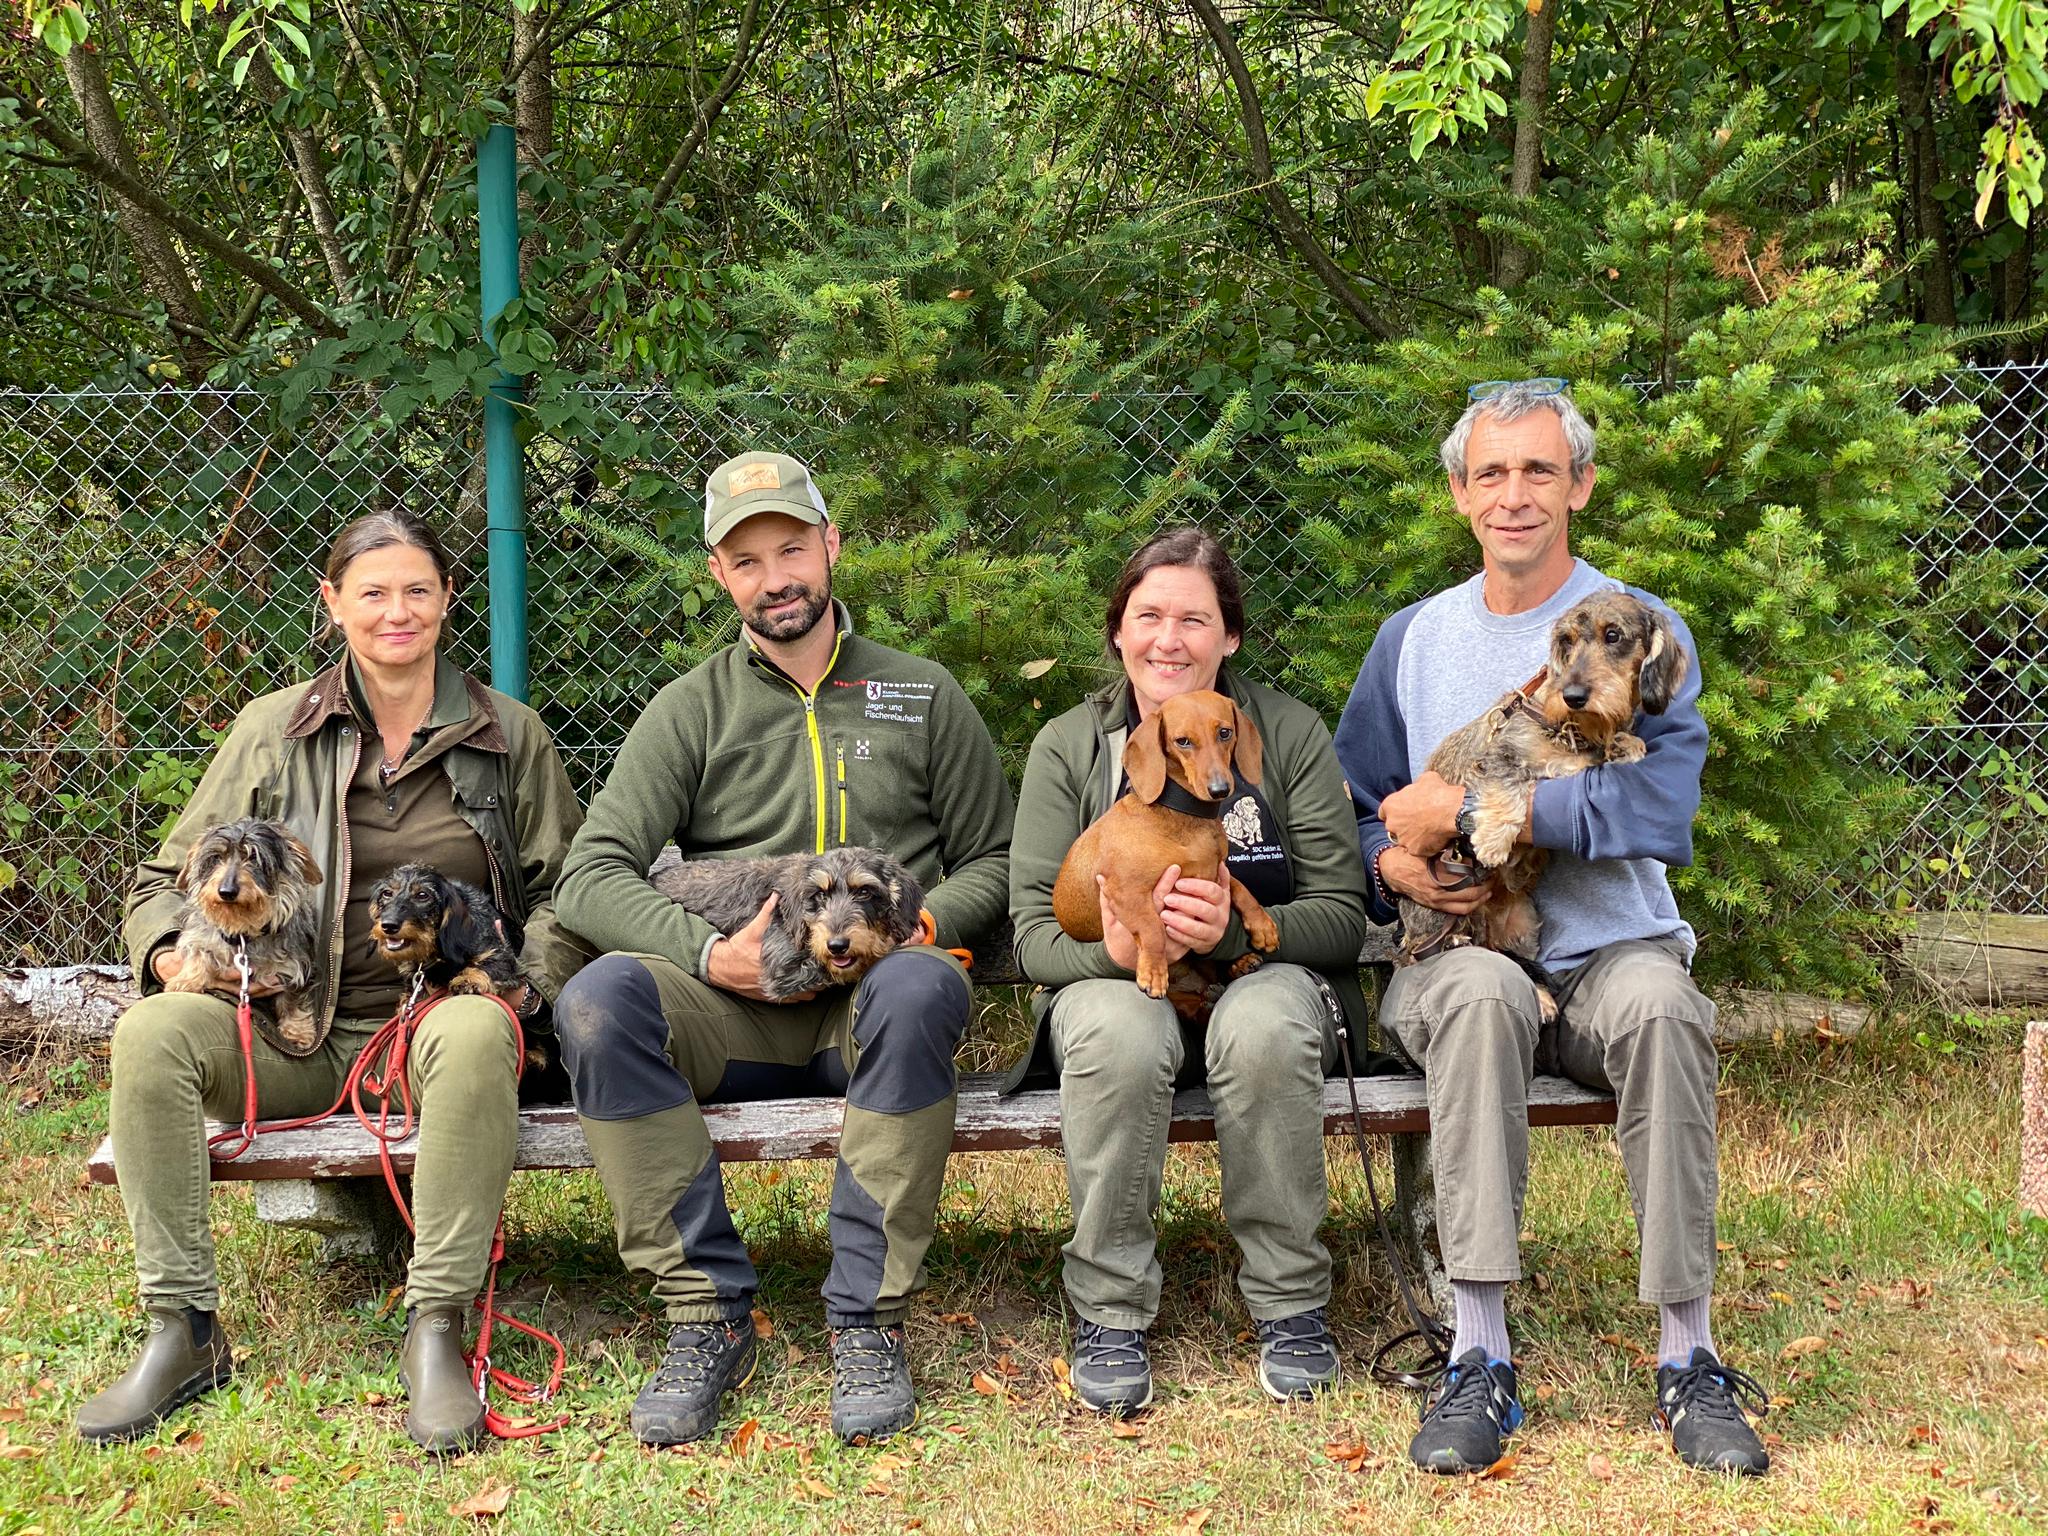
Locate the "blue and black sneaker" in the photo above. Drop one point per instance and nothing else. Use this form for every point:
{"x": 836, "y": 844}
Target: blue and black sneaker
{"x": 1471, "y": 1412}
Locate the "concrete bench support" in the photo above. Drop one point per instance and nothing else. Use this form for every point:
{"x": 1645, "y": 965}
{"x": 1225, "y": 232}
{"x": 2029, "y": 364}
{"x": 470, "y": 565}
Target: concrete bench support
{"x": 354, "y": 1217}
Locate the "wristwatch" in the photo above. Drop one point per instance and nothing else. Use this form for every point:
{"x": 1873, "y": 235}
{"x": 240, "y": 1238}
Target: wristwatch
{"x": 1468, "y": 813}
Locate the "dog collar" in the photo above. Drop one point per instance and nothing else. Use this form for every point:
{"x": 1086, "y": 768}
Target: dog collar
{"x": 1176, "y": 798}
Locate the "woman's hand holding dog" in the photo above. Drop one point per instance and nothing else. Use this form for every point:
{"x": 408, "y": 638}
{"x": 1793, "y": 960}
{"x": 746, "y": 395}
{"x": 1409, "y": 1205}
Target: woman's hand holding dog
{"x": 166, "y": 965}
{"x": 734, "y": 964}
{"x": 1195, "y": 914}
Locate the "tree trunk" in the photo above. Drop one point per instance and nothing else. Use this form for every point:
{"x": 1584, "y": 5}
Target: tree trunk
{"x": 1916, "y": 117}
{"x": 303, "y": 143}
{"x": 1526, "y": 177}
{"x": 533, "y": 107}
{"x": 1285, "y": 214}
{"x": 2019, "y": 296}
{"x": 157, "y": 258}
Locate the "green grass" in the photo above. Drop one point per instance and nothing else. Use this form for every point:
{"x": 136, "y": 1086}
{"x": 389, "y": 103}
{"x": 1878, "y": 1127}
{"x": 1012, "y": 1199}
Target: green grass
{"x": 1866, "y": 1203}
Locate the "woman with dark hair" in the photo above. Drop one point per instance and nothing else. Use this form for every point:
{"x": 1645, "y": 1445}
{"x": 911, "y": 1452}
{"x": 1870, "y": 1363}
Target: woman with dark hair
{"x": 391, "y": 756}
{"x": 1175, "y": 617}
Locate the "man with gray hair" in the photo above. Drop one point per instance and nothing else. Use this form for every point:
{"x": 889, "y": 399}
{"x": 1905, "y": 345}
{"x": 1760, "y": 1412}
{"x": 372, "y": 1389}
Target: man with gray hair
{"x": 1520, "y": 462}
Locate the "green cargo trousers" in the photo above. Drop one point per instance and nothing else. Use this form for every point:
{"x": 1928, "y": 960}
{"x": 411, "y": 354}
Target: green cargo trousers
{"x": 1635, "y": 1024}
{"x": 1270, "y": 1041}
{"x": 177, "y": 1063}
{"x": 646, "y": 1043}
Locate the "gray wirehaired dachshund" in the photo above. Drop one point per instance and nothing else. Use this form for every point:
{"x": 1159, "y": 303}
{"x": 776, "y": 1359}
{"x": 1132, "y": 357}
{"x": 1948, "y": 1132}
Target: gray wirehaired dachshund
{"x": 251, "y": 882}
{"x": 838, "y": 912}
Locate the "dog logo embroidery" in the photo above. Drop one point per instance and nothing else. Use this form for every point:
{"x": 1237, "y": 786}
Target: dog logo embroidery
{"x": 1242, "y": 823}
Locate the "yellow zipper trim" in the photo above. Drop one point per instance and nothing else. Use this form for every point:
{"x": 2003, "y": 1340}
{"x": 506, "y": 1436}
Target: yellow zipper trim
{"x": 842, "y": 793}
{"x": 818, "y": 743}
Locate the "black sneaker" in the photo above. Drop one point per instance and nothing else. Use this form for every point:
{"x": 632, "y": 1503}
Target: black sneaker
{"x": 1297, "y": 1358}
{"x": 872, "y": 1398}
{"x": 702, "y": 1363}
{"x": 1112, "y": 1372}
{"x": 1471, "y": 1412}
{"x": 1700, "y": 1403}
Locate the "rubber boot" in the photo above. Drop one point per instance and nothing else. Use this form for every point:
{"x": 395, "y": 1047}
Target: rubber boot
{"x": 186, "y": 1353}
{"x": 446, "y": 1414}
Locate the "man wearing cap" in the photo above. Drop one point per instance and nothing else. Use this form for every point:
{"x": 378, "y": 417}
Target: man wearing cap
{"x": 800, "y": 736}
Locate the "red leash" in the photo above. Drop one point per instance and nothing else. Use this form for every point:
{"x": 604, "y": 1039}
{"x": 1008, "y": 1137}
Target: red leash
{"x": 379, "y": 1068}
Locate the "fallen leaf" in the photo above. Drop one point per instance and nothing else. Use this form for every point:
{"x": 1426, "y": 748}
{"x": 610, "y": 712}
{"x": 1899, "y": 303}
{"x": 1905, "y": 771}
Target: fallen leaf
{"x": 1032, "y": 670}
{"x": 375, "y": 1399}
{"x": 763, "y": 1328}
{"x": 795, "y": 1355}
{"x": 487, "y": 1503}
{"x": 986, "y": 1385}
{"x": 960, "y": 1319}
{"x": 1503, "y": 1470}
{"x": 285, "y": 1483}
{"x": 1806, "y": 1344}
{"x": 9, "y": 1451}
{"x": 1599, "y": 1468}
{"x": 1781, "y": 1298}
{"x": 1061, "y": 1370}
{"x": 815, "y": 1489}
{"x": 1008, "y": 1367}
{"x": 390, "y": 1304}
{"x": 221, "y": 1497}
{"x": 1123, "y": 1430}
{"x": 887, "y": 1463}
{"x": 743, "y": 1438}
{"x": 1193, "y": 1520}
{"x": 959, "y": 294}
{"x": 15, "y": 1415}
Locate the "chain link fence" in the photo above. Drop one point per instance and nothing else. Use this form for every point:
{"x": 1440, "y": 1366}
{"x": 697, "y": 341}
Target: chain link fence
{"x": 161, "y": 559}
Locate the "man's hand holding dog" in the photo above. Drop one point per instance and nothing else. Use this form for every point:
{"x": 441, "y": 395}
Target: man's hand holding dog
{"x": 1195, "y": 914}
{"x": 166, "y": 965}
{"x": 1423, "y": 817}
{"x": 1410, "y": 875}
{"x": 734, "y": 963}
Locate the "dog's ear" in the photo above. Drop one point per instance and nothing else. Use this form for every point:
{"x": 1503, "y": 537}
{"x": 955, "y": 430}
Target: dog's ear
{"x": 303, "y": 861}
{"x": 1145, "y": 759}
{"x": 1663, "y": 668}
{"x": 461, "y": 939}
{"x": 188, "y": 873}
{"x": 1247, "y": 748}
{"x": 906, "y": 899}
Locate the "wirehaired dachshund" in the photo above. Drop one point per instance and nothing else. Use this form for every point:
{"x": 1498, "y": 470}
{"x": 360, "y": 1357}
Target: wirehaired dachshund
{"x": 251, "y": 882}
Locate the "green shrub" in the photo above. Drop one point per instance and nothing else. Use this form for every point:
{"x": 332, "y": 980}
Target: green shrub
{"x": 1763, "y": 468}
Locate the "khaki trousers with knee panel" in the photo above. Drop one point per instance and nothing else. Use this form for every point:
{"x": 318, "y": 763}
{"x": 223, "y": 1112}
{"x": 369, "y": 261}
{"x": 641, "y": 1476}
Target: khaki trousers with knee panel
{"x": 177, "y": 1063}
{"x": 1269, "y": 1042}
{"x": 1634, "y": 1024}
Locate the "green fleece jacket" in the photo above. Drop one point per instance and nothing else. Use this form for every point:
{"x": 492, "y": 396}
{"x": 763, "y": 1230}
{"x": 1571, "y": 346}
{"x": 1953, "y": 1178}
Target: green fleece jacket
{"x": 1072, "y": 778}
{"x": 291, "y": 755}
{"x": 734, "y": 760}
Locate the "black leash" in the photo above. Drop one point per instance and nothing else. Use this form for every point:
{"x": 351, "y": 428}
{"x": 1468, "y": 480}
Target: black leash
{"x": 1432, "y": 1336}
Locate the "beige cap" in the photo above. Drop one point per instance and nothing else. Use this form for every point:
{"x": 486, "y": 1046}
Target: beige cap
{"x": 759, "y": 482}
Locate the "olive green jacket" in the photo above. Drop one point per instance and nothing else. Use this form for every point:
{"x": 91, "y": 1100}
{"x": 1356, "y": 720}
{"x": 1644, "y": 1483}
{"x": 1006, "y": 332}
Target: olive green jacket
{"x": 291, "y": 755}
{"x": 1073, "y": 777}
{"x": 735, "y": 760}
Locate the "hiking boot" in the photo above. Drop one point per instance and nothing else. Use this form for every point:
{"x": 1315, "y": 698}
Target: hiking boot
{"x": 186, "y": 1353}
{"x": 445, "y": 1414}
{"x": 872, "y": 1398}
{"x": 1297, "y": 1358}
{"x": 1471, "y": 1412}
{"x": 1700, "y": 1404}
{"x": 1112, "y": 1372}
{"x": 703, "y": 1362}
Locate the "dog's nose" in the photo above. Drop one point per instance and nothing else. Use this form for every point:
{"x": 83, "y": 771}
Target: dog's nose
{"x": 1218, "y": 786}
{"x": 230, "y": 888}
{"x": 837, "y": 946}
{"x": 1576, "y": 694}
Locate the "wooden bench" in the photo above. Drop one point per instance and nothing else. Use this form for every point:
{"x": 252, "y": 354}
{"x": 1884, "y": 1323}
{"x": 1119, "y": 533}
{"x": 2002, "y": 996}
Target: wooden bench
{"x": 329, "y": 1179}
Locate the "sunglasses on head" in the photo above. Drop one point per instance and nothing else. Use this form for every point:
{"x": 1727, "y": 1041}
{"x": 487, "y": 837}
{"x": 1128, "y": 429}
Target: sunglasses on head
{"x": 1488, "y": 388}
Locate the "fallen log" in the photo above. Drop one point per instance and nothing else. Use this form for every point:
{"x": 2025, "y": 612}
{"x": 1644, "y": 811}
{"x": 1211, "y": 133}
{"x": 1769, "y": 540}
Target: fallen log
{"x": 1989, "y": 959}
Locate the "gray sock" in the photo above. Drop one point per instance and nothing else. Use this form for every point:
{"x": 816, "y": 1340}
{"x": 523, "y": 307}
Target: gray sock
{"x": 1684, "y": 1327}
{"x": 1482, "y": 1318}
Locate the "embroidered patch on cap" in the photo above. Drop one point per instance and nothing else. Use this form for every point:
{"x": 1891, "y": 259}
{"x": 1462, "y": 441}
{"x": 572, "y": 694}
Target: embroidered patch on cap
{"x": 755, "y": 477}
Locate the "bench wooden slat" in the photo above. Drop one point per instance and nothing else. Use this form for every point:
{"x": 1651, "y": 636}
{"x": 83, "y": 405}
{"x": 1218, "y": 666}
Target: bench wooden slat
{"x": 766, "y": 1130}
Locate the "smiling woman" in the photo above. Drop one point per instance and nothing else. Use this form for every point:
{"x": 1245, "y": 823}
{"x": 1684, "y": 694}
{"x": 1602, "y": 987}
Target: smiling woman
{"x": 461, "y": 778}
{"x": 1266, "y": 1036}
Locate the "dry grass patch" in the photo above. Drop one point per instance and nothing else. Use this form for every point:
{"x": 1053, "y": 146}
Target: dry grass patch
{"x": 1875, "y": 1275}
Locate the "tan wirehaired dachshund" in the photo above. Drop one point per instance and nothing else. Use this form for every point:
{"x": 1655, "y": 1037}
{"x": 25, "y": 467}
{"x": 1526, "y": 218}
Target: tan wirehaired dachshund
{"x": 1179, "y": 763}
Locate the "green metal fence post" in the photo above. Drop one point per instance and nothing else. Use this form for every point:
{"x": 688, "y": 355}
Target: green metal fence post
{"x": 497, "y": 208}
